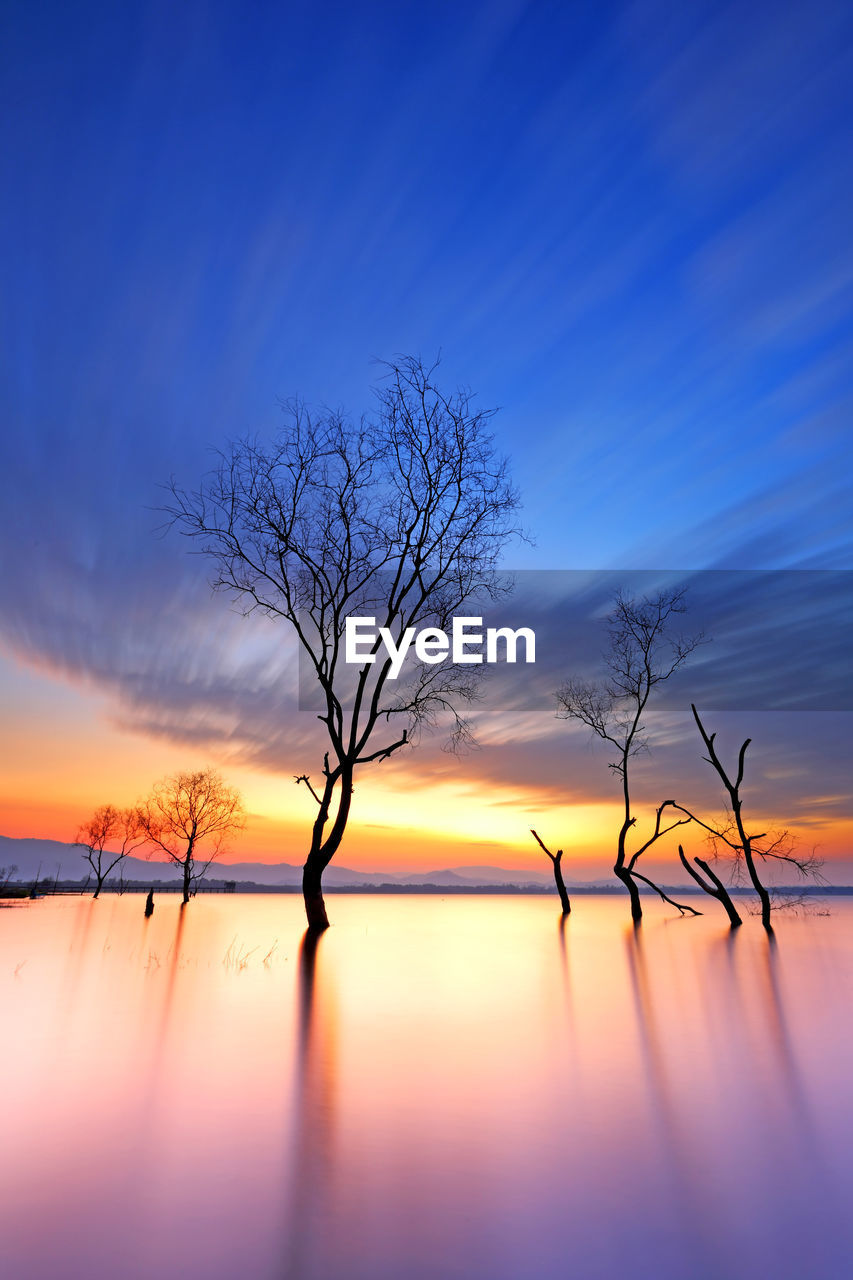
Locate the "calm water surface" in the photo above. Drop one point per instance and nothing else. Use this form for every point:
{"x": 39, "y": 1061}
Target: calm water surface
{"x": 447, "y": 1087}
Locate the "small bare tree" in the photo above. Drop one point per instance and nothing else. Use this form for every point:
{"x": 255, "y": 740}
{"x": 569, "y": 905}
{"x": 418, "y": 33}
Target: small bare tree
{"x": 732, "y": 835}
{"x": 190, "y": 816}
{"x": 642, "y": 653}
{"x": 7, "y": 875}
{"x": 400, "y": 518}
{"x": 556, "y": 863}
{"x": 109, "y": 826}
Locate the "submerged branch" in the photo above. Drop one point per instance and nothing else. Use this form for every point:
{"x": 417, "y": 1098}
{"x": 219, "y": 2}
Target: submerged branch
{"x": 681, "y": 906}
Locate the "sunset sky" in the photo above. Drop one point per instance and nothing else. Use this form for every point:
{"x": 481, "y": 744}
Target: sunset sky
{"x": 626, "y": 225}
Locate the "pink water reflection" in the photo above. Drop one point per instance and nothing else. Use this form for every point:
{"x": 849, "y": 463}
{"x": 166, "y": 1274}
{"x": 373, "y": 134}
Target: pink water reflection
{"x": 440, "y": 1088}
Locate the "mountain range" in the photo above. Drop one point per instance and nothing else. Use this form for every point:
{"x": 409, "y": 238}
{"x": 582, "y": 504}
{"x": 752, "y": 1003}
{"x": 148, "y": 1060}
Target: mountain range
{"x": 53, "y": 858}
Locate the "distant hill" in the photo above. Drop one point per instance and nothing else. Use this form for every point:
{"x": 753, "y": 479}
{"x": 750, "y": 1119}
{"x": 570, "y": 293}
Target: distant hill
{"x": 43, "y": 857}
{"x": 46, "y": 858}
{"x": 49, "y": 858}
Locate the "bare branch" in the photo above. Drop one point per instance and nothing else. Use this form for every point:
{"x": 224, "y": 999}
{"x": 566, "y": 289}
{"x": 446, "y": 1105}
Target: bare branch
{"x": 543, "y": 846}
{"x": 384, "y": 752}
{"x": 682, "y": 906}
{"x": 303, "y": 777}
{"x": 713, "y": 885}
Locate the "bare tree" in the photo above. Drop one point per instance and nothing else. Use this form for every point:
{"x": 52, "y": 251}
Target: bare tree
{"x": 109, "y": 826}
{"x": 190, "y": 816}
{"x": 642, "y": 653}
{"x": 556, "y": 863}
{"x": 7, "y": 875}
{"x": 731, "y": 834}
{"x": 400, "y": 517}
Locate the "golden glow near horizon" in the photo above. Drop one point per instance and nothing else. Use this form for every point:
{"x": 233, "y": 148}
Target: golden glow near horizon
{"x": 62, "y": 752}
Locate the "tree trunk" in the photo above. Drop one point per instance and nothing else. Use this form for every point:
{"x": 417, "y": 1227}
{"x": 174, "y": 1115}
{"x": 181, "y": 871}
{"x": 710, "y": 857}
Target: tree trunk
{"x": 187, "y": 877}
{"x": 556, "y": 859}
{"x": 733, "y": 788}
{"x": 746, "y": 845}
{"x": 312, "y": 893}
{"x": 561, "y": 888}
{"x": 722, "y": 892}
{"x": 763, "y": 895}
{"x": 320, "y": 855}
{"x": 620, "y": 869}
{"x": 716, "y": 888}
{"x": 630, "y": 884}
{"x": 97, "y": 890}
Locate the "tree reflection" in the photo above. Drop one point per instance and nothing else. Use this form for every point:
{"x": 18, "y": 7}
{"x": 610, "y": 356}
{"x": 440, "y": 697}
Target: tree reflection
{"x": 314, "y": 1107}
{"x": 676, "y": 1148}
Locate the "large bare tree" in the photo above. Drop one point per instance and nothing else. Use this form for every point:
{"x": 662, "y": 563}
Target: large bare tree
{"x": 401, "y": 517}
{"x": 190, "y": 817}
{"x": 642, "y": 653}
{"x": 118, "y": 828}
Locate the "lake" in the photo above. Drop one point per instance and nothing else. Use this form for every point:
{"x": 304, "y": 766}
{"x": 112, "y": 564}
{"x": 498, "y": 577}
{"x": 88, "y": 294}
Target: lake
{"x": 444, "y": 1087}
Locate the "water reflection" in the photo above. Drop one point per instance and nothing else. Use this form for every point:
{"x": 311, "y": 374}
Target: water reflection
{"x": 780, "y": 1039}
{"x": 683, "y": 1168}
{"x": 162, "y": 983}
{"x": 312, "y": 1185}
{"x": 432, "y": 1088}
{"x": 562, "y": 925}
{"x": 69, "y": 987}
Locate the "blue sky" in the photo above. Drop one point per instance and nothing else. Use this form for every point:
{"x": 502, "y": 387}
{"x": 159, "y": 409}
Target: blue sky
{"x": 626, "y": 224}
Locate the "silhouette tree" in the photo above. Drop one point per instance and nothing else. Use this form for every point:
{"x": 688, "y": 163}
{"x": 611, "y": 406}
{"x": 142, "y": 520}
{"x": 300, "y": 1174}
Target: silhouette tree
{"x": 190, "y": 816}
{"x": 732, "y": 834}
{"x": 108, "y": 825}
{"x": 556, "y": 861}
{"x": 400, "y": 517}
{"x": 642, "y": 653}
{"x": 7, "y": 875}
